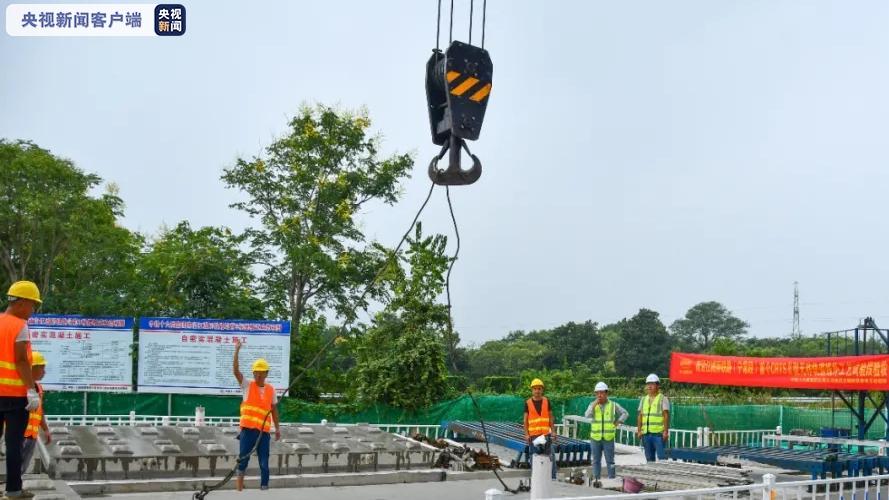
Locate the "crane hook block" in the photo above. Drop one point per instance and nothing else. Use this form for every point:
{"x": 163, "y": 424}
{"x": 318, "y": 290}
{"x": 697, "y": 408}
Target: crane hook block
{"x": 458, "y": 85}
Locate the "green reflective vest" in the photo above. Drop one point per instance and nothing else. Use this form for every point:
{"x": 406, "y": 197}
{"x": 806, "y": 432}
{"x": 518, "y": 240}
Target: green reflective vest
{"x": 602, "y": 426}
{"x": 652, "y": 414}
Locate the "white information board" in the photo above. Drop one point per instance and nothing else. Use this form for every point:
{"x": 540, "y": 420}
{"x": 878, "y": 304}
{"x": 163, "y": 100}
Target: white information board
{"x": 194, "y": 356}
{"x": 84, "y": 354}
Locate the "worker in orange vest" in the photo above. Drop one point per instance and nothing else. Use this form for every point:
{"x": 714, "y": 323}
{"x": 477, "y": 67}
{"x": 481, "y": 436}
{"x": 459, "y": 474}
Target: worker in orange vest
{"x": 539, "y": 421}
{"x": 17, "y": 393}
{"x": 258, "y": 411}
{"x": 36, "y": 419}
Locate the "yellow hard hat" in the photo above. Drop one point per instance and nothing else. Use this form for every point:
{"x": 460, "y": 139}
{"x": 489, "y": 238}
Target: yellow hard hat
{"x": 37, "y": 359}
{"x": 260, "y": 365}
{"x": 536, "y": 383}
{"x": 25, "y": 290}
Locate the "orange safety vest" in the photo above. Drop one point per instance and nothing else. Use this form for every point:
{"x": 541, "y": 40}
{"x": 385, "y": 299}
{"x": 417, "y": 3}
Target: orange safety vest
{"x": 257, "y": 405}
{"x": 35, "y": 418}
{"x": 11, "y": 384}
{"x": 538, "y": 423}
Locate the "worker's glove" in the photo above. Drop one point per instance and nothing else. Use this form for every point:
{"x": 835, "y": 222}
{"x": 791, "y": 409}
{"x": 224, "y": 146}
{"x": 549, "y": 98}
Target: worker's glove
{"x": 33, "y": 400}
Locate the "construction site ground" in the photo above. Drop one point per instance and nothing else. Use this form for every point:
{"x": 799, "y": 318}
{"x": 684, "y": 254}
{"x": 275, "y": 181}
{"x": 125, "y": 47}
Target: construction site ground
{"x": 428, "y": 484}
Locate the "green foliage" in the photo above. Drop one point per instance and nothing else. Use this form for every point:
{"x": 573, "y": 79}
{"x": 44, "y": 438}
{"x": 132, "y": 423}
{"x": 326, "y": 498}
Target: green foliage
{"x": 400, "y": 360}
{"x": 504, "y": 357}
{"x": 501, "y": 384}
{"x": 330, "y": 374}
{"x": 705, "y": 323}
{"x": 569, "y": 344}
{"x": 199, "y": 273}
{"x": 47, "y": 212}
{"x": 304, "y": 192}
{"x": 644, "y": 345}
{"x": 96, "y": 275}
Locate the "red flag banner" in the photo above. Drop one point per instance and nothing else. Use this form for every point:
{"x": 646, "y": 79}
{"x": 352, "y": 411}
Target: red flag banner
{"x": 858, "y": 373}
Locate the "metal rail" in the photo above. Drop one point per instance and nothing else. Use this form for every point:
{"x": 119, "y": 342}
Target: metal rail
{"x": 568, "y": 451}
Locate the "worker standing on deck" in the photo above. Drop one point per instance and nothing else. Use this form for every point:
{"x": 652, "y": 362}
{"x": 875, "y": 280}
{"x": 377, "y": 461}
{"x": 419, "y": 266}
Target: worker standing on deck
{"x": 36, "y": 419}
{"x": 258, "y": 411}
{"x": 17, "y": 393}
{"x": 653, "y": 420}
{"x": 606, "y": 415}
{"x": 539, "y": 421}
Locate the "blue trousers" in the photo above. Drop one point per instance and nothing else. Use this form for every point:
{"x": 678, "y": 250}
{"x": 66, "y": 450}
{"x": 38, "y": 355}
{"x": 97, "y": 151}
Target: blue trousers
{"x": 248, "y": 440}
{"x": 598, "y": 448}
{"x": 653, "y": 444}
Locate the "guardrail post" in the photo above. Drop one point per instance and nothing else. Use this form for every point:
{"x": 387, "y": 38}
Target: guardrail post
{"x": 768, "y": 490}
{"x": 700, "y": 442}
{"x": 707, "y": 435}
{"x": 132, "y": 418}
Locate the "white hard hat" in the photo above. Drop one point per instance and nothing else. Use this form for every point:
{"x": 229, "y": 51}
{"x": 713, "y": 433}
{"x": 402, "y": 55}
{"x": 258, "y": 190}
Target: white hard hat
{"x": 601, "y": 386}
{"x": 652, "y": 379}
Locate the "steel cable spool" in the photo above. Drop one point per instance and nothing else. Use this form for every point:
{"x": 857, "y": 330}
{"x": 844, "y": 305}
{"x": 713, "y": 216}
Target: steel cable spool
{"x": 438, "y": 73}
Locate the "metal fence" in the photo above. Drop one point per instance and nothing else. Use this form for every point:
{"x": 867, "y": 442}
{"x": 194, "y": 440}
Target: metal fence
{"x": 852, "y": 488}
{"x": 680, "y": 438}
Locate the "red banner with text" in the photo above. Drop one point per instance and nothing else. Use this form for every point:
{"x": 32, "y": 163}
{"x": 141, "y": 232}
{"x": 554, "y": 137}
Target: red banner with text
{"x": 858, "y": 373}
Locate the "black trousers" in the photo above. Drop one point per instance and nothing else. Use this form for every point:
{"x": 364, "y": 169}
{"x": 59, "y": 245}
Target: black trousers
{"x": 14, "y": 420}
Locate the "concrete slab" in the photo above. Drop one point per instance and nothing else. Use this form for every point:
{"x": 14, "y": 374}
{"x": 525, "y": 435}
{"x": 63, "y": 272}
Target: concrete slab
{"x": 87, "y": 452}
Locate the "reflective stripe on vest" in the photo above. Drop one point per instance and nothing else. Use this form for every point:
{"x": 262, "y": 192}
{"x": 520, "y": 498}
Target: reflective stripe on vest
{"x": 35, "y": 418}
{"x": 11, "y": 384}
{"x": 602, "y": 426}
{"x": 652, "y": 414}
{"x": 538, "y": 423}
{"x": 257, "y": 405}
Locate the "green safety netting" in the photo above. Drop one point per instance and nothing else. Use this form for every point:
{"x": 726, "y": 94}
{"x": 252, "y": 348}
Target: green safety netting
{"x": 493, "y": 408}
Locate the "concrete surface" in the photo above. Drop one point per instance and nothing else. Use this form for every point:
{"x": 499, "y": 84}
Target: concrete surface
{"x": 448, "y": 490}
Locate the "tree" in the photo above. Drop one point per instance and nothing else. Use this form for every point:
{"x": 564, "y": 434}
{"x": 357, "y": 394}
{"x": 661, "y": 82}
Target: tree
{"x": 305, "y": 191}
{"x": 505, "y": 357}
{"x": 570, "y": 344}
{"x": 644, "y": 346}
{"x": 44, "y": 199}
{"x": 200, "y": 273}
{"x": 706, "y": 322}
{"x": 401, "y": 358}
{"x": 332, "y": 372}
{"x": 96, "y": 275}
{"x": 610, "y": 344}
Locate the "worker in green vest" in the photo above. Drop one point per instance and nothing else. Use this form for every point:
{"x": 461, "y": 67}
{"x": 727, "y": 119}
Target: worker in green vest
{"x": 606, "y": 415}
{"x": 653, "y": 422}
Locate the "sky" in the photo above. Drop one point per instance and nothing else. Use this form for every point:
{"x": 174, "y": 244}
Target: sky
{"x": 635, "y": 153}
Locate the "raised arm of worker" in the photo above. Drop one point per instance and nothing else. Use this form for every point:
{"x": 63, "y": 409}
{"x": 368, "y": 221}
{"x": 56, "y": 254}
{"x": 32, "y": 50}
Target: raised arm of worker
{"x": 235, "y": 370}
